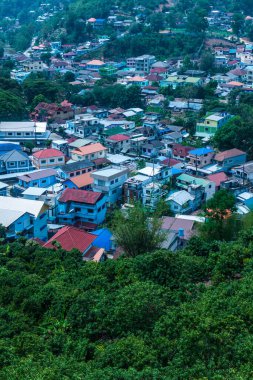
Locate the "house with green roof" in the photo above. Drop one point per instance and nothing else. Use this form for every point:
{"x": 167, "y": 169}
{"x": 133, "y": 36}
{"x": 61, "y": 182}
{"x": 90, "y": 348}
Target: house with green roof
{"x": 191, "y": 183}
{"x": 181, "y": 80}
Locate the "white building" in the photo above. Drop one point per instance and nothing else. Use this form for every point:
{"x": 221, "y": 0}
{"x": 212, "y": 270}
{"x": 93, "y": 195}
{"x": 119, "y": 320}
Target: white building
{"x": 23, "y": 131}
{"x": 23, "y": 216}
{"x": 109, "y": 181}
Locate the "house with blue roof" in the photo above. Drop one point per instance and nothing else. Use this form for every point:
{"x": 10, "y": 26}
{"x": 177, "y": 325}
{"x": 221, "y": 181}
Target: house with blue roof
{"x": 103, "y": 239}
{"x": 14, "y": 161}
{"x": 200, "y": 157}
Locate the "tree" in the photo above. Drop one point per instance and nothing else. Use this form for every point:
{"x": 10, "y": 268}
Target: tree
{"x": 135, "y": 232}
{"x": 69, "y": 77}
{"x": 207, "y": 62}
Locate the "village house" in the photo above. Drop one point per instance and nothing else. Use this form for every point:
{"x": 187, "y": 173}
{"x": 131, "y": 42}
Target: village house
{"x": 109, "y": 181}
{"x": 188, "y": 183}
{"x": 118, "y": 143}
{"x": 53, "y": 112}
{"x": 74, "y": 169}
{"x": 90, "y": 152}
{"x": 23, "y": 217}
{"x": 42, "y": 178}
{"x": 23, "y": 131}
{"x": 81, "y": 182}
{"x": 181, "y": 202}
{"x": 47, "y": 158}
{"x": 200, "y": 157}
{"x": 230, "y": 158}
{"x": 210, "y": 124}
{"x": 78, "y": 207}
{"x": 14, "y": 161}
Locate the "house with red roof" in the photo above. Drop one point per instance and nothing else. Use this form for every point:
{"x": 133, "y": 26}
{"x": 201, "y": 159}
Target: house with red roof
{"x": 230, "y": 158}
{"x": 70, "y": 238}
{"x": 180, "y": 152}
{"x": 118, "y": 143}
{"x": 218, "y": 179}
{"x": 48, "y": 158}
{"x": 52, "y": 111}
{"x": 76, "y": 207}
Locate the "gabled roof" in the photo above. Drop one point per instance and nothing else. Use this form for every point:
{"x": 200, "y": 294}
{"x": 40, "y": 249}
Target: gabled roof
{"x": 181, "y": 197}
{"x": 48, "y": 153}
{"x": 80, "y": 196}
{"x": 71, "y": 238}
{"x": 14, "y": 155}
{"x": 89, "y": 149}
{"x": 38, "y": 175}
{"x": 19, "y": 204}
{"x": 82, "y": 180}
{"x": 78, "y": 165}
{"x": 217, "y": 178}
{"x": 118, "y": 137}
{"x": 228, "y": 154}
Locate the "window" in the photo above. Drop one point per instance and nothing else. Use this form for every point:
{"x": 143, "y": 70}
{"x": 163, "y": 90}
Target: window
{"x": 101, "y": 183}
{"x": 90, "y": 210}
{"x": 93, "y": 155}
{"x": 27, "y": 133}
{"x": 60, "y": 159}
{"x": 51, "y": 160}
{"x": 43, "y": 161}
{"x": 43, "y": 227}
{"x": 18, "y": 133}
{"x": 71, "y": 175}
{"x": 83, "y": 171}
{"x": 22, "y": 163}
{"x": 42, "y": 216}
{"x": 10, "y": 133}
{"x": 78, "y": 173}
{"x": 77, "y": 209}
{"x": 114, "y": 191}
{"x": 116, "y": 180}
{"x": 12, "y": 163}
{"x": 101, "y": 153}
{"x": 89, "y": 170}
{"x": 44, "y": 181}
{"x": 112, "y": 182}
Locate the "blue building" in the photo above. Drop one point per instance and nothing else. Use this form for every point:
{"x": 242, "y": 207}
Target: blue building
{"x": 81, "y": 206}
{"x": 42, "y": 178}
{"x": 14, "y": 161}
{"x": 103, "y": 239}
{"x": 230, "y": 158}
{"x": 23, "y": 217}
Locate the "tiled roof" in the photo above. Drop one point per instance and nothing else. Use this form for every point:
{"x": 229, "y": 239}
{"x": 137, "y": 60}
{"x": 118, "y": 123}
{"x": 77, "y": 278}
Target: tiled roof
{"x": 82, "y": 180}
{"x": 48, "y": 153}
{"x": 71, "y": 238}
{"x": 217, "y": 178}
{"x": 89, "y": 149}
{"x": 118, "y": 137}
{"x": 80, "y": 196}
{"x": 38, "y": 175}
{"x": 228, "y": 154}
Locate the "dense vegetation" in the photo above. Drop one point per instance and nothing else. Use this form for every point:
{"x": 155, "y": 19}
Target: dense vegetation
{"x": 160, "y": 315}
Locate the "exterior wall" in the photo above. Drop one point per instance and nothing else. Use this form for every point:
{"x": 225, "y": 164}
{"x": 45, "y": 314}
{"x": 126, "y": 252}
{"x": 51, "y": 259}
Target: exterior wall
{"x": 110, "y": 186}
{"x": 40, "y": 226}
{"x": 82, "y": 212}
{"x": 117, "y": 147}
{"x": 233, "y": 161}
{"x": 181, "y": 209}
{"x": 43, "y": 163}
{"x": 92, "y": 156}
{"x": 209, "y": 190}
{"x": 42, "y": 182}
{"x": 20, "y": 136}
{"x": 20, "y": 225}
{"x": 202, "y": 160}
{"x": 17, "y": 166}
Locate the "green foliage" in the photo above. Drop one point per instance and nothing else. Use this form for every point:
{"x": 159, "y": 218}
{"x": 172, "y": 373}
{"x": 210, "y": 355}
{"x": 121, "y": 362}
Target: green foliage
{"x": 12, "y": 107}
{"x": 135, "y": 232}
{"x": 162, "y": 315}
